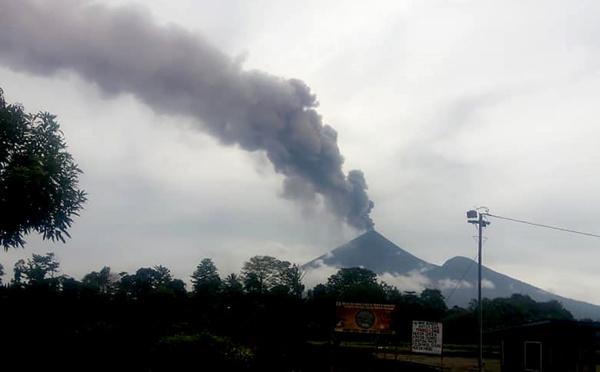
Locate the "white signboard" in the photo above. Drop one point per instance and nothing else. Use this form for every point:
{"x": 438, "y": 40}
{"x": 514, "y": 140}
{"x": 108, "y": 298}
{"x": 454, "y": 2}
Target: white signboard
{"x": 427, "y": 337}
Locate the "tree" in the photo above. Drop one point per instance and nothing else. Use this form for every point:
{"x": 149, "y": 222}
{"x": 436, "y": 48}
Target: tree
{"x": 232, "y": 285}
{"x": 1, "y": 273}
{"x": 259, "y": 273}
{"x": 205, "y": 279}
{"x": 292, "y": 279}
{"x": 347, "y": 277}
{"x": 355, "y": 284}
{"x": 149, "y": 281}
{"x": 71, "y": 288}
{"x": 36, "y": 271}
{"x": 100, "y": 282}
{"x": 38, "y": 177}
{"x": 434, "y": 305}
{"x": 262, "y": 274}
{"x": 519, "y": 309}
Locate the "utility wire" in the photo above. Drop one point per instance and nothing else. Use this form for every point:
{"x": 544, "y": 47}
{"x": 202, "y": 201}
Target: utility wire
{"x": 540, "y": 225}
{"x": 460, "y": 282}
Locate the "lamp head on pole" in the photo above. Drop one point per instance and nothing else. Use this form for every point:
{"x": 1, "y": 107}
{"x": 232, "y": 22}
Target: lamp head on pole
{"x": 476, "y": 217}
{"x": 472, "y": 216}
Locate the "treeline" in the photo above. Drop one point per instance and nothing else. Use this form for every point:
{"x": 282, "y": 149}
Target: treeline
{"x": 260, "y": 319}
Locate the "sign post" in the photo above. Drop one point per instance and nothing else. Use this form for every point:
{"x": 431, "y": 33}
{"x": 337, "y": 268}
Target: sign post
{"x": 364, "y": 318}
{"x": 427, "y": 338}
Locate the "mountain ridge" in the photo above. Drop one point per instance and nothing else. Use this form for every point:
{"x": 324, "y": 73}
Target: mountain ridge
{"x": 456, "y": 278}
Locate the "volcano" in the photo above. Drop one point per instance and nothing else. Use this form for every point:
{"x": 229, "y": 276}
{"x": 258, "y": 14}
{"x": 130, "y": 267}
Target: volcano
{"x": 456, "y": 278}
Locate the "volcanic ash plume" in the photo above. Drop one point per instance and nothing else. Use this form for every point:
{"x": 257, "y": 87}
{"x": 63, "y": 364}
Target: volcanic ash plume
{"x": 174, "y": 72}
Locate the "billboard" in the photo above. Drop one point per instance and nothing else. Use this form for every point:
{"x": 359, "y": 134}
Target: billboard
{"x": 364, "y": 318}
{"x": 427, "y": 337}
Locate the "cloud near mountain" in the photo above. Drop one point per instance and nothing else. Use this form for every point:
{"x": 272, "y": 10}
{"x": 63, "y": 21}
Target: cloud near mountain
{"x": 456, "y": 278}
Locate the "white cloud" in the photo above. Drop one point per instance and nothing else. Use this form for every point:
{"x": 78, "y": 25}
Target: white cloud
{"x": 488, "y": 284}
{"x": 318, "y": 274}
{"x": 452, "y": 284}
{"x": 415, "y": 280}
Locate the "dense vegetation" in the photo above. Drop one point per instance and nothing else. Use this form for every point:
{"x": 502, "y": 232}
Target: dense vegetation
{"x": 262, "y": 319}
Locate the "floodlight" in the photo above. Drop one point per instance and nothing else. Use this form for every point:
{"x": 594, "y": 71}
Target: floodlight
{"x": 472, "y": 215}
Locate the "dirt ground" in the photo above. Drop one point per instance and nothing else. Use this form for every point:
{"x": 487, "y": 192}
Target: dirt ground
{"x": 451, "y": 364}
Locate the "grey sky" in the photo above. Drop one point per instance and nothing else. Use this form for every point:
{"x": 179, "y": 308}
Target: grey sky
{"x": 445, "y": 105}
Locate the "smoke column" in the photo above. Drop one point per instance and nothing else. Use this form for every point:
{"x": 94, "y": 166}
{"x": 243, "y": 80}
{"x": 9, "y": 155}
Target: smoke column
{"x": 122, "y": 50}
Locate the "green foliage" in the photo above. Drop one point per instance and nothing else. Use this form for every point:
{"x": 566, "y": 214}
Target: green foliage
{"x": 150, "y": 281}
{"x": 100, "y": 282}
{"x": 70, "y": 288}
{"x": 460, "y": 324}
{"x": 348, "y": 277}
{"x": 292, "y": 280}
{"x": 152, "y": 323}
{"x": 356, "y": 284}
{"x": 262, "y": 274}
{"x": 519, "y": 309}
{"x": 433, "y": 303}
{"x": 232, "y": 285}
{"x": 205, "y": 279}
{"x": 36, "y": 271}
{"x": 38, "y": 177}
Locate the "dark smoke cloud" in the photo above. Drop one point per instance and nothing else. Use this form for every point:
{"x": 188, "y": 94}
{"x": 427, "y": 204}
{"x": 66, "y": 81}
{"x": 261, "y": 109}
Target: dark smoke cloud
{"x": 123, "y": 51}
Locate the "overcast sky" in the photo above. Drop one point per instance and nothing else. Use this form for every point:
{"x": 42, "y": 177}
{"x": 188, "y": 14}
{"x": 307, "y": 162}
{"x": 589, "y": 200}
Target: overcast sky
{"x": 444, "y": 105}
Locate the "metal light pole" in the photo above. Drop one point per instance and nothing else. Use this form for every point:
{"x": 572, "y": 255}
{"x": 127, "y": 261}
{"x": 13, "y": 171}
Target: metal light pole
{"x": 475, "y": 217}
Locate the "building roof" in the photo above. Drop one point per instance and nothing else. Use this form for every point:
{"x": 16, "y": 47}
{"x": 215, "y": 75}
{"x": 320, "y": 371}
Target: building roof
{"x": 553, "y": 324}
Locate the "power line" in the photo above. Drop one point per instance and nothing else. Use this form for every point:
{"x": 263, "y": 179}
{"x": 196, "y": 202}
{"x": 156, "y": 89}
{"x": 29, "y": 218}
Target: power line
{"x": 541, "y": 225}
{"x": 460, "y": 282}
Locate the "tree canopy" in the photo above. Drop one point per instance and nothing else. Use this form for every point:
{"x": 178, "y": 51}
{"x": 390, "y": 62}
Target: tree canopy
{"x": 151, "y": 322}
{"x": 36, "y": 271}
{"x": 38, "y": 178}
{"x": 205, "y": 279}
{"x": 262, "y": 274}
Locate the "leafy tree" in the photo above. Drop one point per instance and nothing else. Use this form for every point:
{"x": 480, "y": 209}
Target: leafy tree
{"x": 319, "y": 292}
{"x": 38, "y": 177}
{"x": 101, "y": 282}
{"x": 36, "y": 271}
{"x": 149, "y": 281}
{"x": 140, "y": 284}
{"x": 355, "y": 284}
{"x": 164, "y": 278}
{"x": 433, "y": 299}
{"x": 175, "y": 287}
{"x": 70, "y": 288}
{"x": 232, "y": 285}
{"x": 263, "y": 273}
{"x": 433, "y": 303}
{"x": 1, "y": 273}
{"x": 253, "y": 283}
{"x": 205, "y": 279}
{"x": 392, "y": 294}
{"x": 291, "y": 278}
{"x": 347, "y": 277}
{"x": 518, "y": 309}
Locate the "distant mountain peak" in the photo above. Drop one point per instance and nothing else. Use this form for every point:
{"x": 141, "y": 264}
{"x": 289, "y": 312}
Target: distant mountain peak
{"x": 459, "y": 261}
{"x": 374, "y": 252}
{"x": 457, "y": 277}
{"x": 370, "y": 240}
